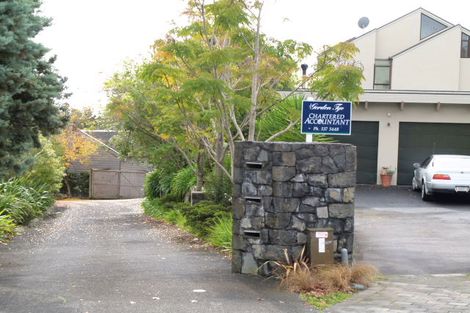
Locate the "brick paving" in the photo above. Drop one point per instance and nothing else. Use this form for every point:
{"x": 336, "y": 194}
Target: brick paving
{"x": 400, "y": 294}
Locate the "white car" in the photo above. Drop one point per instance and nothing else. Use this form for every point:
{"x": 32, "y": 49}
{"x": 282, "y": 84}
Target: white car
{"x": 442, "y": 173}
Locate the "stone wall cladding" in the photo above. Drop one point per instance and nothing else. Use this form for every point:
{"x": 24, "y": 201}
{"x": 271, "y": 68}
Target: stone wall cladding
{"x": 280, "y": 190}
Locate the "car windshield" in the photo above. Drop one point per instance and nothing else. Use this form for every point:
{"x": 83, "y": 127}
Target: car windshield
{"x": 452, "y": 163}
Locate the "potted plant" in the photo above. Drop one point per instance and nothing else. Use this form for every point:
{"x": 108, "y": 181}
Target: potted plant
{"x": 386, "y": 175}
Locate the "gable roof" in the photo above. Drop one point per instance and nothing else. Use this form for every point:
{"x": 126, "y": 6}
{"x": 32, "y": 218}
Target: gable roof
{"x": 420, "y": 9}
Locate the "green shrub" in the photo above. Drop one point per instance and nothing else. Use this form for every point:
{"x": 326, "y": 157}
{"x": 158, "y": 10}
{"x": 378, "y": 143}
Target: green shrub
{"x": 7, "y": 226}
{"x": 218, "y": 188}
{"x": 220, "y": 234}
{"x": 23, "y": 202}
{"x": 182, "y": 182}
{"x": 170, "y": 212}
{"x": 201, "y": 217}
{"x": 151, "y": 184}
{"x": 47, "y": 170}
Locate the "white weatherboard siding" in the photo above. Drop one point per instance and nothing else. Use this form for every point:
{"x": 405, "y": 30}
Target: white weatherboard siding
{"x": 366, "y": 57}
{"x": 389, "y": 116}
{"x": 398, "y": 35}
{"x": 465, "y": 74}
{"x": 432, "y": 65}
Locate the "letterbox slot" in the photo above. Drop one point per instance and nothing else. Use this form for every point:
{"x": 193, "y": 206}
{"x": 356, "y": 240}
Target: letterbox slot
{"x": 252, "y": 233}
{"x": 253, "y": 199}
{"x": 254, "y": 165}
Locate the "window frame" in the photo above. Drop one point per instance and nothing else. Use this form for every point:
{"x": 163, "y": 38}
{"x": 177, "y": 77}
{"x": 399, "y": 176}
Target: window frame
{"x": 462, "y": 40}
{"x": 421, "y": 37}
{"x": 389, "y": 66}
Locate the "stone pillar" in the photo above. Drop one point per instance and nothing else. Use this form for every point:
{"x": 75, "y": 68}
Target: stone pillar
{"x": 280, "y": 190}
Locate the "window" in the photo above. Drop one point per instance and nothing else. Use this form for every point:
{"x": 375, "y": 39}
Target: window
{"x": 430, "y": 26}
{"x": 465, "y": 47}
{"x": 382, "y": 71}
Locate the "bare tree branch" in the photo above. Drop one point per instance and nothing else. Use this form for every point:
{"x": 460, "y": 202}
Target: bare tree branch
{"x": 285, "y": 130}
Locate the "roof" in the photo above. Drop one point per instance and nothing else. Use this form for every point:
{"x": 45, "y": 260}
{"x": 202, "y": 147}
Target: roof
{"x": 102, "y": 135}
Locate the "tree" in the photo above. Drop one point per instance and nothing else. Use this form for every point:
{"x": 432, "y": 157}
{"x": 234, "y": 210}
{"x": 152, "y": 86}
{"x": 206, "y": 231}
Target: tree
{"x": 29, "y": 86}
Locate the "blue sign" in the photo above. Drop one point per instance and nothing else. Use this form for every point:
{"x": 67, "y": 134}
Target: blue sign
{"x": 326, "y": 117}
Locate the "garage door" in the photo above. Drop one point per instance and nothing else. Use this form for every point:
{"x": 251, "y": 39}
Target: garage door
{"x": 419, "y": 140}
{"x": 365, "y": 136}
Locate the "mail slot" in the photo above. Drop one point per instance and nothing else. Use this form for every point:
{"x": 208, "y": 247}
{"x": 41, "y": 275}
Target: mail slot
{"x": 321, "y": 246}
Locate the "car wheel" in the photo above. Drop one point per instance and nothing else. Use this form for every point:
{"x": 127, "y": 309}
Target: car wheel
{"x": 414, "y": 185}
{"x": 424, "y": 192}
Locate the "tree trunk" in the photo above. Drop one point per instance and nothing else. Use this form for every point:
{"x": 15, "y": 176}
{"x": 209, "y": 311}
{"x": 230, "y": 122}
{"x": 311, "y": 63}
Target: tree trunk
{"x": 69, "y": 189}
{"x": 200, "y": 171}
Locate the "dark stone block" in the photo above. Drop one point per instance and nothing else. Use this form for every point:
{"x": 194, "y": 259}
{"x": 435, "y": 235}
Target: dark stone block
{"x": 316, "y": 192}
{"x": 311, "y": 165}
{"x": 299, "y": 178}
{"x": 251, "y": 154}
{"x": 264, "y": 236}
{"x": 321, "y": 150}
{"x": 307, "y": 217}
{"x": 340, "y": 161}
{"x": 265, "y": 190}
{"x": 238, "y": 174}
{"x": 351, "y": 163}
{"x": 328, "y": 165}
{"x": 321, "y": 223}
{"x": 238, "y": 205}
{"x": 275, "y": 252}
{"x": 236, "y": 261}
{"x": 317, "y": 180}
{"x": 257, "y": 223}
{"x": 336, "y": 150}
{"x": 306, "y": 209}
{"x": 346, "y": 179}
{"x": 286, "y": 205}
{"x": 297, "y": 224}
{"x": 283, "y": 237}
{"x": 300, "y": 190}
{"x": 236, "y": 227}
{"x": 334, "y": 195}
{"x": 264, "y": 156}
{"x": 278, "y": 220}
{"x": 341, "y": 210}
{"x": 236, "y": 191}
{"x": 349, "y": 225}
{"x": 282, "y": 147}
{"x": 311, "y": 201}
{"x": 301, "y": 238}
{"x": 253, "y": 209}
{"x": 282, "y": 189}
{"x": 248, "y": 189}
{"x": 239, "y": 243}
{"x": 304, "y": 153}
{"x": 277, "y": 159}
{"x": 337, "y": 225}
{"x": 283, "y": 173}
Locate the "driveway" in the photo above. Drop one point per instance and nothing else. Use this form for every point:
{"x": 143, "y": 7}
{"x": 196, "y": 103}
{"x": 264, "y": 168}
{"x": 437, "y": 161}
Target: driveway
{"x": 400, "y": 234}
{"x": 105, "y": 256}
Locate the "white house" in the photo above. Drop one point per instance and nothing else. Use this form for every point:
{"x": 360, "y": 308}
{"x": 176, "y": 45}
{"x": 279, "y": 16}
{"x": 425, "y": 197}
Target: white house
{"x": 417, "y": 94}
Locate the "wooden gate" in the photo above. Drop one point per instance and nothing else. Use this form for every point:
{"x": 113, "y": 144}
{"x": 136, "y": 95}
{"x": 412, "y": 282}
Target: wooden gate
{"x": 114, "y": 184}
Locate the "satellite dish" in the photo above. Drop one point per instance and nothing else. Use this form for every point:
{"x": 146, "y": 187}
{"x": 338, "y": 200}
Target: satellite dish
{"x": 363, "y": 22}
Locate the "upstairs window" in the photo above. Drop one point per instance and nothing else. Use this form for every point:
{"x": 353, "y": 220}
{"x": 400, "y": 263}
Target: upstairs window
{"x": 465, "y": 47}
{"x": 430, "y": 26}
{"x": 382, "y": 71}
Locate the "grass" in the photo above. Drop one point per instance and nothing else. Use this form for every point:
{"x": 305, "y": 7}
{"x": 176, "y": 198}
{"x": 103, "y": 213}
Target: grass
{"x": 326, "y": 301}
{"x": 220, "y": 234}
{"x": 7, "y": 227}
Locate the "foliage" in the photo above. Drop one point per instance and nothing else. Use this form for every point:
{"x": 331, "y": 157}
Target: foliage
{"x": 24, "y": 200}
{"x": 7, "y": 226}
{"x": 151, "y": 185}
{"x": 220, "y": 234}
{"x": 218, "y": 188}
{"x": 29, "y": 86}
{"x": 75, "y": 146}
{"x": 323, "y": 302}
{"x": 203, "y": 215}
{"x": 182, "y": 182}
{"x": 169, "y": 212}
{"x": 339, "y": 76}
{"x": 86, "y": 119}
{"x": 48, "y": 167}
{"x": 79, "y": 184}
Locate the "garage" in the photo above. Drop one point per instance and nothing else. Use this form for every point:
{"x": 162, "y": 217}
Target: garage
{"x": 419, "y": 140}
{"x": 364, "y": 136}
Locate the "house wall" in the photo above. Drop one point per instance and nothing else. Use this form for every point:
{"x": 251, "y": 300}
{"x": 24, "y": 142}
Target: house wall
{"x": 433, "y": 65}
{"x": 464, "y": 74}
{"x": 366, "y": 57}
{"x": 389, "y": 117}
{"x": 398, "y": 35}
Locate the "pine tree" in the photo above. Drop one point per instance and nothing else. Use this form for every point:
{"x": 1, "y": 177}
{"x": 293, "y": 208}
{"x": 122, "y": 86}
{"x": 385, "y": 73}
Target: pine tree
{"x": 29, "y": 85}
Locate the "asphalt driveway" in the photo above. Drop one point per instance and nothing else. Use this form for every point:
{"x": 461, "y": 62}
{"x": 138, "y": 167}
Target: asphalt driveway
{"x": 105, "y": 256}
{"x": 400, "y": 234}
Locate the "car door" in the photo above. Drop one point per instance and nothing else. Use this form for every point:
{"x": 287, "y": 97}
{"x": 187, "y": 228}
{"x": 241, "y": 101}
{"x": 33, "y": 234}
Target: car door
{"x": 419, "y": 172}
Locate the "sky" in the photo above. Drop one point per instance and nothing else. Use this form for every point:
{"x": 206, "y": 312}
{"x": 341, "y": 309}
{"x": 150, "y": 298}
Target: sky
{"x": 93, "y": 38}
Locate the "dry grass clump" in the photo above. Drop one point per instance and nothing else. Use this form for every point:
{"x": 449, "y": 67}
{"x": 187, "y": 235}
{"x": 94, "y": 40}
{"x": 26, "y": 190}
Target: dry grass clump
{"x": 297, "y": 276}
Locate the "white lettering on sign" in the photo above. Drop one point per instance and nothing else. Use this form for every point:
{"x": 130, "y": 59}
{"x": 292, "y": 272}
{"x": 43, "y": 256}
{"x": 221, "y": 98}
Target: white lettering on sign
{"x": 321, "y": 234}
{"x": 321, "y": 245}
{"x": 337, "y": 108}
